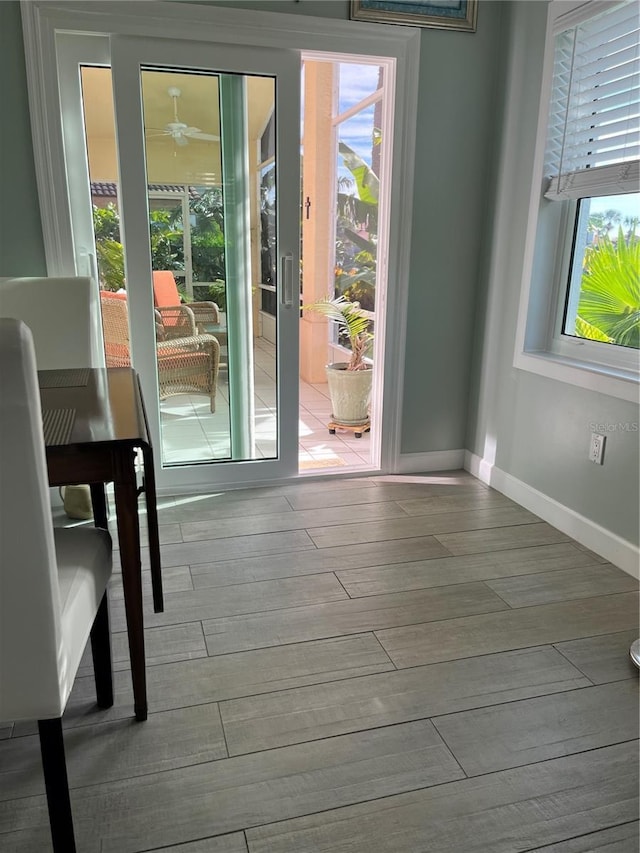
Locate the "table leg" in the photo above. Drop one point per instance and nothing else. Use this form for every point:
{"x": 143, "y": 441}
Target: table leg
{"x": 152, "y": 525}
{"x": 99, "y": 504}
{"x": 126, "y": 500}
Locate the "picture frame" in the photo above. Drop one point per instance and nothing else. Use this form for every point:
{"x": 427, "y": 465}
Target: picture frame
{"x": 442, "y": 14}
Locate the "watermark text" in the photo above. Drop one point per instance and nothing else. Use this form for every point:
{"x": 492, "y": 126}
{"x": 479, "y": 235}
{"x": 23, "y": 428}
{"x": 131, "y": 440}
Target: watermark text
{"x": 619, "y": 426}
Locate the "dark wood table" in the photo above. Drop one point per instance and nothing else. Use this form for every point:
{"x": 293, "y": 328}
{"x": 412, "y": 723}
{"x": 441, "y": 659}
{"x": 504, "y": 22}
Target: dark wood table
{"x": 99, "y": 425}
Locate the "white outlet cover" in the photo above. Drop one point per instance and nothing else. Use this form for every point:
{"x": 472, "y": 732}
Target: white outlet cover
{"x": 596, "y": 449}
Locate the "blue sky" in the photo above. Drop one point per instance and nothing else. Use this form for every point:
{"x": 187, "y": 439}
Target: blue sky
{"x": 628, "y": 205}
{"x": 356, "y": 83}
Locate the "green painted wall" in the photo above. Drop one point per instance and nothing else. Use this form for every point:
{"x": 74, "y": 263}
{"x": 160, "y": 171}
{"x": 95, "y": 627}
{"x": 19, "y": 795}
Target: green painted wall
{"x": 455, "y": 140}
{"x": 317, "y": 8}
{"x": 539, "y": 428}
{"x": 21, "y": 249}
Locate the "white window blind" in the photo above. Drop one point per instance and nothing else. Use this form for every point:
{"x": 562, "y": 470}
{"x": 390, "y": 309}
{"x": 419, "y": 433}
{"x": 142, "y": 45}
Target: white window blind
{"x": 593, "y": 139}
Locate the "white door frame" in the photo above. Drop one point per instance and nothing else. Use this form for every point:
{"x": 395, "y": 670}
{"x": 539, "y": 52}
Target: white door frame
{"x": 336, "y": 352}
{"x": 43, "y": 18}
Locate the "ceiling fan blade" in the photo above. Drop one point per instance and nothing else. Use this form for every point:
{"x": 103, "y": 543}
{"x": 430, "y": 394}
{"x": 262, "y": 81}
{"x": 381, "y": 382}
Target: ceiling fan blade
{"x": 196, "y": 133}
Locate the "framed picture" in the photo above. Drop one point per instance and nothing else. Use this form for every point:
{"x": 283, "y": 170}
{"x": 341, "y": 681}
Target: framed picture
{"x": 443, "y": 14}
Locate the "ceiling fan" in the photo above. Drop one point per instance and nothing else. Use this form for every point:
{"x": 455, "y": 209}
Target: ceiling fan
{"x": 180, "y": 132}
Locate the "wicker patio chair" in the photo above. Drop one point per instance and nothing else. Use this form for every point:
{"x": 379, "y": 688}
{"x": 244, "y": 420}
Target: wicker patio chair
{"x": 187, "y": 361}
{"x": 165, "y": 295}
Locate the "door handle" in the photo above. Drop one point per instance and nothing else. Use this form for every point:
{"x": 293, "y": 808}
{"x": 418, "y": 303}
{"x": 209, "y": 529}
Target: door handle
{"x": 86, "y": 264}
{"x": 93, "y": 267}
{"x": 286, "y": 277}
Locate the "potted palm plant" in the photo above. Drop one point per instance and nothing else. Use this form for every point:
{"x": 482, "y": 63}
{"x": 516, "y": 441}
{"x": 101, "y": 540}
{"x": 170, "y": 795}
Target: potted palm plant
{"x": 349, "y": 381}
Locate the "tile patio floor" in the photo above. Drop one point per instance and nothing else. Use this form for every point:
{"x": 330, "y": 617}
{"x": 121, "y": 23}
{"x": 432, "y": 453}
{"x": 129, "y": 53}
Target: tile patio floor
{"x": 190, "y": 432}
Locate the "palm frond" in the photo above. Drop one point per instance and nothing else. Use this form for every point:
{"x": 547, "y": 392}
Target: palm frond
{"x": 586, "y": 330}
{"x": 610, "y": 289}
{"x": 351, "y": 318}
{"x": 366, "y": 180}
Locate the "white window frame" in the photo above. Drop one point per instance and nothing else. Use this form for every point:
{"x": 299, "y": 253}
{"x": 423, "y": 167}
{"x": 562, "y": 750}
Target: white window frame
{"x": 566, "y": 345}
{"x": 541, "y": 347}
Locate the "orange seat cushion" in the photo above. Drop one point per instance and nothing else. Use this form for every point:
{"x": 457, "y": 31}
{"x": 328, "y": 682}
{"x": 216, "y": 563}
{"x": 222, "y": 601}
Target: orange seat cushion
{"x": 165, "y": 289}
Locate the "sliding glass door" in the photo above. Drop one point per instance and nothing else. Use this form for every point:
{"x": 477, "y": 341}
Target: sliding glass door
{"x": 176, "y": 200}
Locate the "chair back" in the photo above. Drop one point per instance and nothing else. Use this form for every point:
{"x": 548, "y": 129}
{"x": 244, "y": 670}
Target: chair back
{"x": 115, "y": 325}
{"x": 165, "y": 289}
{"x": 31, "y": 646}
{"x": 63, "y": 315}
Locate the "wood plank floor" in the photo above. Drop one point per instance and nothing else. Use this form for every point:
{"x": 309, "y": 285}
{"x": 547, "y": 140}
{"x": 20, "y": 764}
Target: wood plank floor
{"x": 379, "y": 665}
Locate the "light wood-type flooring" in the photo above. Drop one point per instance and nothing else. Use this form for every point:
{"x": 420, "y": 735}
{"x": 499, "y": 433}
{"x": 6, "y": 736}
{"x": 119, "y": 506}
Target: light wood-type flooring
{"x": 376, "y": 665}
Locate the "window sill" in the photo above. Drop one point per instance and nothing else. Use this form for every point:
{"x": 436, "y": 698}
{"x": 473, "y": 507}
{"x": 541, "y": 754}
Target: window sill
{"x": 616, "y": 382}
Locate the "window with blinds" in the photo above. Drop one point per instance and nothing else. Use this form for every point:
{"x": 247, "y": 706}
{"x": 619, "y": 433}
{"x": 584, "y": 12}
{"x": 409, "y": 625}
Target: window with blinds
{"x": 593, "y": 139}
{"x": 580, "y": 302}
{"x": 592, "y": 163}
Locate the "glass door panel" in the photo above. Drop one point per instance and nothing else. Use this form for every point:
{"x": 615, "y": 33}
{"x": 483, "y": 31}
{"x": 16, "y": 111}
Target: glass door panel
{"x": 181, "y": 118}
{"x": 217, "y": 400}
{"x": 219, "y": 391}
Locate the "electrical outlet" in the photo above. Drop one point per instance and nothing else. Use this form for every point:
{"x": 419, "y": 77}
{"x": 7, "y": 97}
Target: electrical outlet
{"x": 596, "y": 449}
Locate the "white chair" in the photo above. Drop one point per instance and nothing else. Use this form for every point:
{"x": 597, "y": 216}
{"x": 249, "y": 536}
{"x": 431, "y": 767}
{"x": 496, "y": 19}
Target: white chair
{"x": 52, "y": 582}
{"x": 64, "y": 317}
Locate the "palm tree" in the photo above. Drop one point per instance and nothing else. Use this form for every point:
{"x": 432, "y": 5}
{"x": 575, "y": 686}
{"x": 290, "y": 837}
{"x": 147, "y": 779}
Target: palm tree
{"x": 631, "y": 224}
{"x": 609, "y": 305}
{"x": 611, "y": 218}
{"x": 601, "y": 223}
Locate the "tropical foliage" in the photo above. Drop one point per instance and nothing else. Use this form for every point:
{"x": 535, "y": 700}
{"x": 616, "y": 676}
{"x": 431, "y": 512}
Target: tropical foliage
{"x": 167, "y": 241}
{"x": 207, "y": 236}
{"x": 268, "y": 225}
{"x": 356, "y": 248}
{"x": 357, "y": 230}
{"x": 609, "y": 305}
{"x": 106, "y": 226}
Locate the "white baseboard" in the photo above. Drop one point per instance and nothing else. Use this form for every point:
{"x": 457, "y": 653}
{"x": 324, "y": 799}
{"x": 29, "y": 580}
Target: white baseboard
{"x": 609, "y": 545}
{"x": 439, "y": 460}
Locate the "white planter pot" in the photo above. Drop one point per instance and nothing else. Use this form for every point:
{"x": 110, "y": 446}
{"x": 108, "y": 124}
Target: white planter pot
{"x": 350, "y": 392}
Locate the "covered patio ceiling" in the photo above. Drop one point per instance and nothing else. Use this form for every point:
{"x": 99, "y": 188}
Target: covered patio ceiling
{"x": 197, "y": 161}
